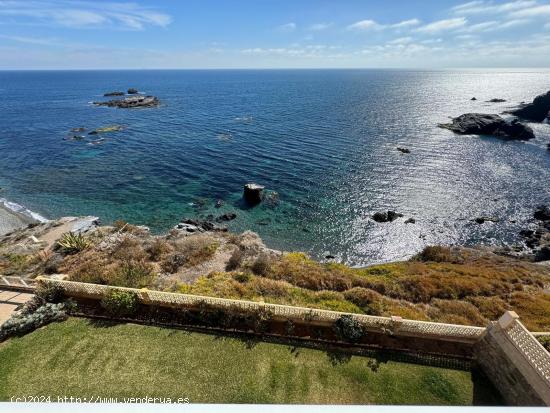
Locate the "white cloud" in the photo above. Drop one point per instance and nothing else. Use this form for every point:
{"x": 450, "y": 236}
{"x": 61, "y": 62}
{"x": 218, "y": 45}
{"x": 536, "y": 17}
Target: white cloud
{"x": 514, "y": 23}
{"x": 85, "y": 14}
{"x": 401, "y": 40}
{"x": 484, "y": 7}
{"x": 443, "y": 25}
{"x": 364, "y": 25}
{"x": 372, "y": 25}
{"x": 31, "y": 40}
{"x": 482, "y": 27}
{"x": 533, "y": 12}
{"x": 317, "y": 27}
{"x": 287, "y": 27}
{"x": 406, "y": 23}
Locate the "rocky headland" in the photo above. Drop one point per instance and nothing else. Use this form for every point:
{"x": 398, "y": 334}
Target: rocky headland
{"x": 486, "y": 124}
{"x": 537, "y": 111}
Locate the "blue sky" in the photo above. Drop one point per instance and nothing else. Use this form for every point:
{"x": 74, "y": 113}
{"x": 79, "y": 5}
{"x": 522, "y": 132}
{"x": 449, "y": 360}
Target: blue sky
{"x": 71, "y": 34}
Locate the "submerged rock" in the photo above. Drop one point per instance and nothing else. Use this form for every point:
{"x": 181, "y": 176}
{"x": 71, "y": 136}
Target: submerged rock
{"x": 474, "y": 98}
{"x": 219, "y": 203}
{"x": 230, "y": 216}
{"x": 536, "y": 111}
{"x": 79, "y": 129}
{"x": 271, "y": 199}
{"x": 403, "y": 150}
{"x": 483, "y": 220}
{"x": 496, "y": 100}
{"x": 388, "y": 216}
{"x": 484, "y": 124}
{"x": 114, "y": 94}
{"x": 410, "y": 221}
{"x": 133, "y": 91}
{"x": 198, "y": 225}
{"x": 252, "y": 193}
{"x": 106, "y": 129}
{"x": 131, "y": 102}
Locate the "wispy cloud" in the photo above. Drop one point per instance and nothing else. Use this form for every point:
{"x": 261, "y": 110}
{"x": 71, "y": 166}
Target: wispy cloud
{"x": 484, "y": 7}
{"x": 538, "y": 11}
{"x": 406, "y": 23}
{"x": 287, "y": 27}
{"x": 373, "y": 25}
{"x": 443, "y": 25}
{"x": 85, "y": 14}
{"x": 31, "y": 40}
{"x": 401, "y": 40}
{"x": 317, "y": 27}
{"x": 364, "y": 25}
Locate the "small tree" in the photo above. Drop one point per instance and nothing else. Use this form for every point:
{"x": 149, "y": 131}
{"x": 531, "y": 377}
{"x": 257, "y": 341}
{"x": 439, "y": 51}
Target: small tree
{"x": 120, "y": 303}
{"x": 348, "y": 328}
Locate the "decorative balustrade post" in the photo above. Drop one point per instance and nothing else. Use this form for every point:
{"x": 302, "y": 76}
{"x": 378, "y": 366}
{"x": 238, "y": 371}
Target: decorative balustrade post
{"x": 508, "y": 319}
{"x": 396, "y": 323}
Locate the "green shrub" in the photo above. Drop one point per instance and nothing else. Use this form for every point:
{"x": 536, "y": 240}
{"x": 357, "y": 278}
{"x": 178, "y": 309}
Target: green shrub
{"x": 24, "y": 322}
{"x": 158, "y": 248}
{"x": 73, "y": 243}
{"x": 435, "y": 253}
{"x": 51, "y": 293}
{"x": 261, "y": 265}
{"x": 133, "y": 274}
{"x": 241, "y": 277}
{"x": 174, "y": 262}
{"x": 348, "y": 328}
{"x": 235, "y": 260}
{"x": 370, "y": 301}
{"x": 262, "y": 319}
{"x": 545, "y": 341}
{"x": 120, "y": 303}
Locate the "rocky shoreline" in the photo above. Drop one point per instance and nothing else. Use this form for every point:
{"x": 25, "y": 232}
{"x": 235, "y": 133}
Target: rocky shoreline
{"x": 495, "y": 125}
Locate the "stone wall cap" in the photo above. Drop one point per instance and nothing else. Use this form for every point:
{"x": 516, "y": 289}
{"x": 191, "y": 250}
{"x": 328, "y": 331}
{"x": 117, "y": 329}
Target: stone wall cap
{"x": 507, "y": 319}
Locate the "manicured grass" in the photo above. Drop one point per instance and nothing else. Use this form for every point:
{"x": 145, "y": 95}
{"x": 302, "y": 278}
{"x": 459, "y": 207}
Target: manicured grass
{"x": 82, "y": 359}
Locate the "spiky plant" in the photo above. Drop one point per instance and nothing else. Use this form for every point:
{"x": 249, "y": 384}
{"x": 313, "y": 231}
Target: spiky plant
{"x": 73, "y": 243}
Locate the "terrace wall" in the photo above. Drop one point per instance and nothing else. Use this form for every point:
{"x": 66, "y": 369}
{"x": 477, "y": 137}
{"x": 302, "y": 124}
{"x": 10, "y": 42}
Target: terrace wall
{"x": 515, "y": 362}
{"x": 512, "y": 358}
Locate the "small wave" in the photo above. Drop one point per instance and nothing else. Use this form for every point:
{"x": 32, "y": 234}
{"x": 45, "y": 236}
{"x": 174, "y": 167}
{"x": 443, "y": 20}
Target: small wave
{"x": 244, "y": 119}
{"x": 12, "y": 206}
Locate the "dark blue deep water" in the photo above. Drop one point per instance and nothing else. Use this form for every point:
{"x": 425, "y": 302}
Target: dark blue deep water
{"x": 324, "y": 140}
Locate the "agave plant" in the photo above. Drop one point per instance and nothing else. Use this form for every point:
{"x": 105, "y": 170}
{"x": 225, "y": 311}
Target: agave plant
{"x": 73, "y": 242}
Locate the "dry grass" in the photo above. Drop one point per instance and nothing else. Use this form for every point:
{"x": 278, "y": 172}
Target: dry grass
{"x": 472, "y": 289}
{"x": 455, "y": 285}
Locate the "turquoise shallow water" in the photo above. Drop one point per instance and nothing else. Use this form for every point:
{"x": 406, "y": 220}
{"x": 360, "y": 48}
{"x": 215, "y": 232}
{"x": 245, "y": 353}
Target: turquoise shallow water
{"x": 324, "y": 140}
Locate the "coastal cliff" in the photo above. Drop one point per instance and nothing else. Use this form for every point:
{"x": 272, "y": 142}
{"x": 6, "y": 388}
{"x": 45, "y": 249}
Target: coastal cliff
{"x": 454, "y": 285}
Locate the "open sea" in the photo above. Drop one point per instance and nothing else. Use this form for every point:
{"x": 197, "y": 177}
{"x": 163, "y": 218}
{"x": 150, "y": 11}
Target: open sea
{"x": 324, "y": 140}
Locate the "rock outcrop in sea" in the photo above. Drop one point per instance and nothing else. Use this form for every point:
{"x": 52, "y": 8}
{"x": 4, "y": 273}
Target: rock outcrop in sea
{"x": 252, "y": 193}
{"x": 486, "y": 124}
{"x": 536, "y": 111}
{"x": 387, "y": 216}
{"x": 131, "y": 102}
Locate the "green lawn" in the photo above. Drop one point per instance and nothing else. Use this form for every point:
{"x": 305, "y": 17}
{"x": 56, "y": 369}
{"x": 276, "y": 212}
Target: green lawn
{"x": 78, "y": 358}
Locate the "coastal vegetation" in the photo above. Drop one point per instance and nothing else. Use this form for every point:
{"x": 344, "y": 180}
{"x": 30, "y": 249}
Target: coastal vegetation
{"x": 445, "y": 284}
{"x": 83, "y": 358}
